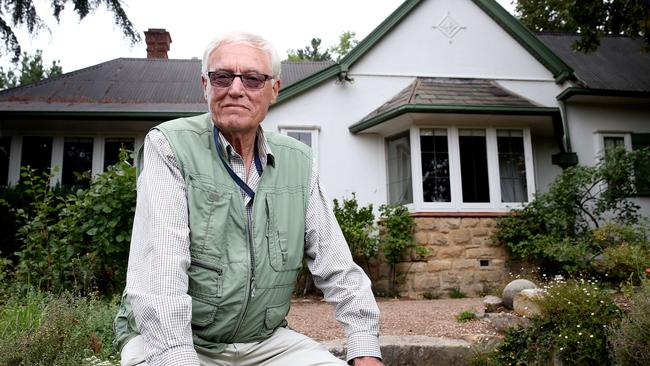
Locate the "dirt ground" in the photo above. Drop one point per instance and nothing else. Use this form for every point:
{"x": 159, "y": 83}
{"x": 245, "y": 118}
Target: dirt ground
{"x": 434, "y": 318}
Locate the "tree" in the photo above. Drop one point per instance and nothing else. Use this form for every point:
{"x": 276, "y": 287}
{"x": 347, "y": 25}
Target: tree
{"x": 309, "y": 53}
{"x": 16, "y": 13}
{"x": 346, "y": 43}
{"x": 31, "y": 70}
{"x": 592, "y": 19}
{"x": 312, "y": 52}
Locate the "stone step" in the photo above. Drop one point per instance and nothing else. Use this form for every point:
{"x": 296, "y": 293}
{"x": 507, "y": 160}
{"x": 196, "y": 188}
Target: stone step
{"x": 423, "y": 350}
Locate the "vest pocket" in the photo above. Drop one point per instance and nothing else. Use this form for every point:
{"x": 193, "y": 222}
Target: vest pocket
{"x": 202, "y": 313}
{"x": 205, "y": 281}
{"x": 275, "y": 315}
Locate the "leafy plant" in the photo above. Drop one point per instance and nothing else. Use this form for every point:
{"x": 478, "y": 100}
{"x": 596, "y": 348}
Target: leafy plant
{"x": 44, "y": 329}
{"x": 358, "y": 227}
{"x": 397, "y": 237}
{"x": 630, "y": 340}
{"x": 78, "y": 241}
{"x": 456, "y": 293}
{"x": 431, "y": 295}
{"x": 574, "y": 324}
{"x": 465, "y": 316}
{"x": 556, "y": 230}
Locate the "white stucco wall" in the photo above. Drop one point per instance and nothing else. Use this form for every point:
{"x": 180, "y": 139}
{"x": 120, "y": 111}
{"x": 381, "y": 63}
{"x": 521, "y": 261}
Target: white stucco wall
{"x": 415, "y": 47}
{"x": 588, "y": 122}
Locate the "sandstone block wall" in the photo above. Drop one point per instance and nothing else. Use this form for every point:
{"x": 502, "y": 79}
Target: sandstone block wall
{"x": 462, "y": 256}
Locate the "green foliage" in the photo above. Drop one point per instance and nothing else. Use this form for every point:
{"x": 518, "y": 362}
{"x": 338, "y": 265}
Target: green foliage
{"x": 357, "y": 224}
{"x": 31, "y": 70}
{"x": 630, "y": 340}
{"x": 574, "y": 324}
{"x": 346, "y": 43}
{"x": 431, "y": 295}
{"x": 43, "y": 329}
{"x": 20, "y": 13}
{"x": 80, "y": 241}
{"x": 555, "y": 231}
{"x": 592, "y": 19}
{"x": 397, "y": 237}
{"x": 456, "y": 293}
{"x": 465, "y": 316}
{"x": 626, "y": 254}
{"x": 310, "y": 53}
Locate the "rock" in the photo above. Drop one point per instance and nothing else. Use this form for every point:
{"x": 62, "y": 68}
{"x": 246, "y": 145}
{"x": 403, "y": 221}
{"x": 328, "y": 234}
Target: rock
{"x": 524, "y": 303}
{"x": 513, "y": 288}
{"x": 503, "y": 321}
{"x": 418, "y": 350}
{"x": 492, "y": 303}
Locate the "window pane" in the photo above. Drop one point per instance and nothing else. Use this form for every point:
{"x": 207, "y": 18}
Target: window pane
{"x": 399, "y": 169}
{"x": 37, "y": 153}
{"x": 304, "y": 137}
{"x": 435, "y": 165}
{"x": 473, "y": 165}
{"x": 611, "y": 142}
{"x": 77, "y": 157}
{"x": 512, "y": 166}
{"x": 112, "y": 149}
{"x": 5, "y": 148}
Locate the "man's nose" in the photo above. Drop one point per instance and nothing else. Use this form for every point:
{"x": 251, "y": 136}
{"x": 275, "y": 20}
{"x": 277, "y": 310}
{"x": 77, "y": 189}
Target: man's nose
{"x": 237, "y": 87}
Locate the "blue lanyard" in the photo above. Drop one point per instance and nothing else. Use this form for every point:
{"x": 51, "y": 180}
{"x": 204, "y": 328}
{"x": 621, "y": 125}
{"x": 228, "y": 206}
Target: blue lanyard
{"x": 233, "y": 175}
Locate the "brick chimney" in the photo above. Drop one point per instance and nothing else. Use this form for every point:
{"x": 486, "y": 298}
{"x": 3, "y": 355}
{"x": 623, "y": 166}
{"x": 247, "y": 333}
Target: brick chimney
{"x": 158, "y": 41}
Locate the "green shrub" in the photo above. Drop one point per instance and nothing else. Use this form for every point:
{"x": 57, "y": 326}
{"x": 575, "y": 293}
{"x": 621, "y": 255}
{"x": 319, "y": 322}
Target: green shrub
{"x": 630, "y": 340}
{"x": 626, "y": 254}
{"x": 78, "y": 241}
{"x": 574, "y": 323}
{"x": 44, "y": 329}
{"x": 465, "y": 316}
{"x": 456, "y": 293}
{"x": 397, "y": 237}
{"x": 358, "y": 227}
{"x": 555, "y": 231}
{"x": 431, "y": 295}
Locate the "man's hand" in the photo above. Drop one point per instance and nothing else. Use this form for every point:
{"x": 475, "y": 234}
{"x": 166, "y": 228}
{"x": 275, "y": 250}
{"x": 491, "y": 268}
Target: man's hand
{"x": 367, "y": 361}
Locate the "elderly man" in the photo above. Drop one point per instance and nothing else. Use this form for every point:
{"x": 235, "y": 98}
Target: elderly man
{"x": 225, "y": 214}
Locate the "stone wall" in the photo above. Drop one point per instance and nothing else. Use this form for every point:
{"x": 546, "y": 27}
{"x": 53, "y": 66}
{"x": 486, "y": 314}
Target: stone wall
{"x": 462, "y": 256}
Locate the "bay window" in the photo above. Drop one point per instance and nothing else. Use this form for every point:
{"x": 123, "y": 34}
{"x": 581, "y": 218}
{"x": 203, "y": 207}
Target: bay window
{"x": 460, "y": 169}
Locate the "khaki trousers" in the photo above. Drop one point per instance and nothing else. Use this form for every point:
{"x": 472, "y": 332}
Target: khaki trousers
{"x": 284, "y": 347}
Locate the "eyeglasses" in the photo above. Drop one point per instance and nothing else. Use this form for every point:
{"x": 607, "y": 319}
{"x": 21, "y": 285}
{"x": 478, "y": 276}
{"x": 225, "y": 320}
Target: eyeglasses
{"x": 250, "y": 80}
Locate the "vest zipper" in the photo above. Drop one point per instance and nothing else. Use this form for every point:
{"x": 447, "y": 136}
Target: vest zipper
{"x": 251, "y": 284}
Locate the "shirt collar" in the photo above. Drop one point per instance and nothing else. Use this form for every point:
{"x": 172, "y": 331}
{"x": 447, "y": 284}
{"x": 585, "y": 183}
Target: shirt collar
{"x": 266, "y": 155}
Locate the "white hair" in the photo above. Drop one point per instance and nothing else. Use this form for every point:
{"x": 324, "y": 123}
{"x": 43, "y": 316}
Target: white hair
{"x": 248, "y": 38}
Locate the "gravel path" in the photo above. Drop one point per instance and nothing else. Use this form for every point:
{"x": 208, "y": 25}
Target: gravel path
{"x": 434, "y": 318}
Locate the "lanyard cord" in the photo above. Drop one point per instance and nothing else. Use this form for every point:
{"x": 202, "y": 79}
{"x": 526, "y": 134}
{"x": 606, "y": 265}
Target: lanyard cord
{"x": 258, "y": 165}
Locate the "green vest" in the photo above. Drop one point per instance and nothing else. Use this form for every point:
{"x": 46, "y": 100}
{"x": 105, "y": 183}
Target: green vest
{"x": 240, "y": 282}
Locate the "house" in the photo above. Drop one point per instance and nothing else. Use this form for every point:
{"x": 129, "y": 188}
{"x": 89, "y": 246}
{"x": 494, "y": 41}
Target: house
{"x": 450, "y": 107}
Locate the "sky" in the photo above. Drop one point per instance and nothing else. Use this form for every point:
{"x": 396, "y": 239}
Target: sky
{"x": 288, "y": 24}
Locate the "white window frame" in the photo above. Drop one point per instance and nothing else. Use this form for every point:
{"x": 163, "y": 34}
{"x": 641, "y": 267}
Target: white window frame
{"x": 494, "y": 180}
{"x": 600, "y": 141}
{"x": 313, "y": 130}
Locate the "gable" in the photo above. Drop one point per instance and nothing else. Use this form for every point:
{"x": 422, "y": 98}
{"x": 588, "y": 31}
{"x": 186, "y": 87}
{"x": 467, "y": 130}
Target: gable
{"x": 503, "y": 27}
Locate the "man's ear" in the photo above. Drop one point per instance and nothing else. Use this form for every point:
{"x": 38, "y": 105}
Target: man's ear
{"x": 276, "y": 89}
{"x": 204, "y": 83}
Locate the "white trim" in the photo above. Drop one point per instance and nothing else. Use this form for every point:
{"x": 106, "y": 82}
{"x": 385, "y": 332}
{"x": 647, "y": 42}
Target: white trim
{"x": 13, "y": 175}
{"x": 99, "y": 148}
{"x": 58, "y": 147}
{"x": 494, "y": 179}
{"x": 600, "y": 141}
{"x": 312, "y": 129}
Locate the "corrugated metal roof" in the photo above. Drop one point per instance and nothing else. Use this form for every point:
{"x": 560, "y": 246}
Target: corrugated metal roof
{"x": 618, "y": 64}
{"x": 452, "y": 92}
{"x": 129, "y": 85}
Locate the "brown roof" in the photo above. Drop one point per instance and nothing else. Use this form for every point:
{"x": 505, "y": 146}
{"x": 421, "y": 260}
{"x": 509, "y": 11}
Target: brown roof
{"x": 126, "y": 85}
{"x": 452, "y": 92}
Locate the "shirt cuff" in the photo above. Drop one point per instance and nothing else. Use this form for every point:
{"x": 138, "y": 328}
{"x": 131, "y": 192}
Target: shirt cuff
{"x": 363, "y": 345}
{"x": 176, "y": 356}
